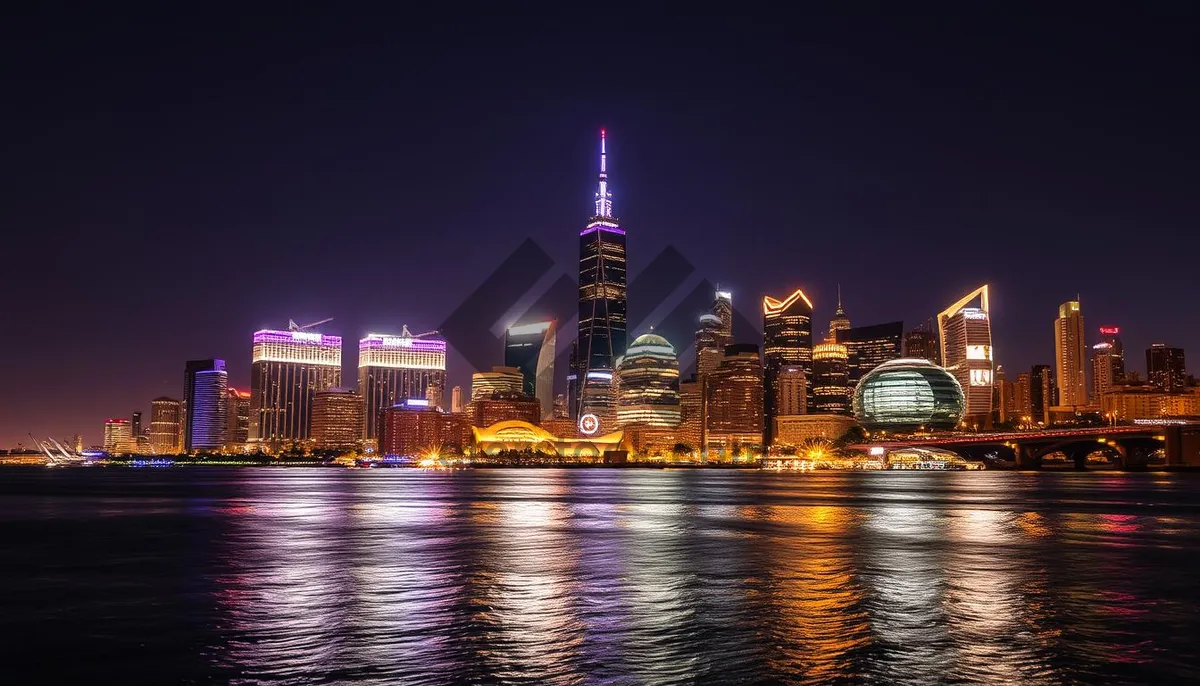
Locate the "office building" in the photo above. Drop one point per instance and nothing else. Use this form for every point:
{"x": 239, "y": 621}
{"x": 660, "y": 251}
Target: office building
{"x": 206, "y": 403}
{"x": 1023, "y": 398}
{"x": 735, "y": 397}
{"x": 337, "y": 418}
{"x": 1165, "y": 368}
{"x": 867, "y": 347}
{"x": 135, "y": 424}
{"x": 507, "y": 380}
{"x": 722, "y": 309}
{"x": 831, "y": 378}
{"x": 965, "y": 335}
{"x": 840, "y": 320}
{"x": 1069, "y": 356}
{"x": 530, "y": 348}
{"x": 166, "y": 426}
{"x": 1112, "y": 336}
{"x": 433, "y": 393}
{"x": 118, "y": 437}
{"x": 413, "y": 428}
{"x": 792, "y": 397}
{"x": 787, "y": 341}
{"x": 1043, "y": 393}
{"x": 648, "y": 384}
{"x": 1004, "y": 398}
{"x": 287, "y": 368}
{"x": 710, "y": 344}
{"x": 922, "y": 344}
{"x": 456, "y": 399}
{"x": 392, "y": 369}
{"x": 503, "y": 407}
{"x": 237, "y": 432}
{"x": 1106, "y": 365}
{"x": 602, "y": 304}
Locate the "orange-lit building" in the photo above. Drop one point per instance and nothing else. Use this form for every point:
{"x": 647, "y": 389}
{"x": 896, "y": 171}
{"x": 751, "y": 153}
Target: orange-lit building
{"x": 337, "y": 419}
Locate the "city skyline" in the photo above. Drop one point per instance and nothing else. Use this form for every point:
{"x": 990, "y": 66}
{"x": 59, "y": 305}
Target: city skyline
{"x": 826, "y": 176}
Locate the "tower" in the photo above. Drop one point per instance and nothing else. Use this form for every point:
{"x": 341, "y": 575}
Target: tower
{"x": 840, "y": 321}
{"x": 206, "y": 396}
{"x": 965, "y": 335}
{"x": 787, "y": 340}
{"x": 602, "y": 304}
{"x": 1069, "y": 356}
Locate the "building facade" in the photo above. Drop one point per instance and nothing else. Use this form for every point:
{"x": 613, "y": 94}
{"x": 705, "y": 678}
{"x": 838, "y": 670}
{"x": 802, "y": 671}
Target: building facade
{"x": 648, "y": 384}
{"x": 237, "y": 430}
{"x": 506, "y": 380}
{"x": 792, "y": 397}
{"x": 206, "y": 405}
{"x": 831, "y": 379}
{"x": 1069, "y": 356}
{"x": 166, "y": 426}
{"x": 337, "y": 419}
{"x": 1165, "y": 368}
{"x": 392, "y": 369}
{"x": 287, "y": 368}
{"x": 735, "y": 396}
{"x": 921, "y": 343}
{"x": 1043, "y": 393}
{"x": 1111, "y": 335}
{"x": 530, "y": 348}
{"x": 965, "y": 334}
{"x": 787, "y": 341}
{"x": 867, "y": 347}
{"x": 602, "y": 302}
{"x": 118, "y": 437}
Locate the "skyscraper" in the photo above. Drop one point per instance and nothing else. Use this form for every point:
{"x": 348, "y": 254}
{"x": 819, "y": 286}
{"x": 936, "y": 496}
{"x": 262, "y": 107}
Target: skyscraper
{"x": 867, "y": 347}
{"x": 456, "y": 399}
{"x": 118, "y": 436}
{"x": 787, "y": 340}
{"x": 166, "y": 416}
{"x": 287, "y": 367}
{"x": 502, "y": 380}
{"x": 602, "y": 304}
{"x": 710, "y": 344}
{"x": 237, "y": 433}
{"x": 965, "y": 333}
{"x": 135, "y": 423}
{"x": 1112, "y": 336}
{"x": 840, "y": 321}
{"x": 205, "y": 394}
{"x": 1043, "y": 393}
{"x": 792, "y": 383}
{"x": 1165, "y": 369}
{"x": 1104, "y": 365}
{"x": 1069, "y": 356}
{"x": 337, "y": 418}
{"x": 722, "y": 309}
{"x": 392, "y": 369}
{"x": 735, "y": 401}
{"x": 530, "y": 348}
{"x": 831, "y": 379}
{"x": 921, "y": 344}
{"x": 648, "y": 384}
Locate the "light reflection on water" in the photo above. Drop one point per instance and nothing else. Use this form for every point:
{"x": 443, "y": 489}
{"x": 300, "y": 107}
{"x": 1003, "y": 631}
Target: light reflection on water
{"x": 605, "y": 576}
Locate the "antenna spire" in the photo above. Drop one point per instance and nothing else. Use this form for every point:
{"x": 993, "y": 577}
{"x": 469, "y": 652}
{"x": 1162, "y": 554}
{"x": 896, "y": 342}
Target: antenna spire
{"x": 603, "y": 197}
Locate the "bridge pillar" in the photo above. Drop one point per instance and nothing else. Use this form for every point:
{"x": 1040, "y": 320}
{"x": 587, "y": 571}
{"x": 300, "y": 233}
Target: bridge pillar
{"x": 1078, "y": 454}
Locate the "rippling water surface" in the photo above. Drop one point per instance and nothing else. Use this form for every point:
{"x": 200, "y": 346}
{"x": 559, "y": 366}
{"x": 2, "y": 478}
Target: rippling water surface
{"x": 598, "y": 576}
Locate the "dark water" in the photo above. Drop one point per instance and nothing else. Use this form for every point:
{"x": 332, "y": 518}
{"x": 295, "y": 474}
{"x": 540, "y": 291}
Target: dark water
{"x": 597, "y": 576}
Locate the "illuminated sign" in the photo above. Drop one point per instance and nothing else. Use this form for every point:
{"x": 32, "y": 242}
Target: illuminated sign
{"x": 878, "y": 450}
{"x": 603, "y": 376}
{"x": 589, "y": 424}
{"x": 979, "y": 352}
{"x": 1110, "y": 330}
{"x": 974, "y": 314}
{"x": 397, "y": 342}
{"x": 416, "y": 402}
{"x": 306, "y": 337}
{"x": 981, "y": 377}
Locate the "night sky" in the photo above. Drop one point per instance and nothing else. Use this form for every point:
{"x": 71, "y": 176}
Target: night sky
{"x": 173, "y": 182}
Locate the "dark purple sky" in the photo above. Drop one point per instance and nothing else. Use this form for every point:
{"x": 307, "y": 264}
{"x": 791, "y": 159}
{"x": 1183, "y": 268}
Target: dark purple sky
{"x": 174, "y": 182}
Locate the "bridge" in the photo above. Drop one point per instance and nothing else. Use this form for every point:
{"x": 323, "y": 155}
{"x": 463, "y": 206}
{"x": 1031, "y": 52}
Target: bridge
{"x": 1133, "y": 447}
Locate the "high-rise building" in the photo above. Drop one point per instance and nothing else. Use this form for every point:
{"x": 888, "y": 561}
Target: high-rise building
{"x": 1165, "y": 368}
{"x": 602, "y": 304}
{"x": 337, "y": 418}
{"x": 508, "y": 380}
{"x": 840, "y": 320}
{"x": 1023, "y": 397}
{"x": 722, "y": 309}
{"x": 1112, "y": 336}
{"x": 411, "y": 428}
{"x": 710, "y": 344}
{"x": 392, "y": 369}
{"x": 287, "y": 368}
{"x": 692, "y": 417}
{"x": 922, "y": 344}
{"x": 787, "y": 340}
{"x": 530, "y": 348}
{"x": 867, "y": 347}
{"x": 1104, "y": 366}
{"x": 831, "y": 378}
{"x": 205, "y": 394}
{"x": 504, "y": 407}
{"x": 1043, "y": 393}
{"x": 735, "y": 400}
{"x": 456, "y": 399}
{"x": 433, "y": 393}
{"x": 1005, "y": 397}
{"x": 965, "y": 333}
{"x": 648, "y": 384}
{"x": 166, "y": 417}
{"x": 792, "y": 384}
{"x": 118, "y": 436}
{"x": 1069, "y": 356}
{"x": 237, "y": 432}
{"x": 135, "y": 424}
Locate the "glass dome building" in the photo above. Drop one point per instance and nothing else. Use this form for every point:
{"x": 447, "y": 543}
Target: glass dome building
{"x": 647, "y": 381}
{"x": 908, "y": 394}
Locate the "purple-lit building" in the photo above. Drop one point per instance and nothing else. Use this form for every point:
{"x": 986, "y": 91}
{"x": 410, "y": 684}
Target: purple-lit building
{"x": 602, "y": 304}
{"x": 392, "y": 369}
{"x": 287, "y": 368}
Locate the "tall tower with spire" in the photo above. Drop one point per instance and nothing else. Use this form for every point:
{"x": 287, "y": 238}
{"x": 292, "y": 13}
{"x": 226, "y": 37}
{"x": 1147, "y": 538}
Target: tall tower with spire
{"x": 840, "y": 321}
{"x": 602, "y": 304}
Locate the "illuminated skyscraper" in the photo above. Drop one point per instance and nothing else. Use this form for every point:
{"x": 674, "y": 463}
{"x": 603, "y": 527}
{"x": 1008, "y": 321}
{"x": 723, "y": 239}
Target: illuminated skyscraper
{"x": 1165, "y": 368}
{"x": 205, "y": 395}
{"x": 867, "y": 347}
{"x": 1069, "y": 356}
{"x": 1103, "y": 364}
{"x": 787, "y": 340}
{"x": 530, "y": 348}
{"x": 792, "y": 399}
{"x": 602, "y": 305}
{"x": 722, "y": 309}
{"x": 237, "y": 432}
{"x": 337, "y": 418}
{"x": 166, "y": 417}
{"x": 456, "y": 399}
{"x": 710, "y": 344}
{"x": 287, "y": 368}
{"x": 831, "y": 379}
{"x": 118, "y": 436}
{"x": 965, "y": 333}
{"x": 840, "y": 321}
{"x": 1112, "y": 336}
{"x": 735, "y": 397}
{"x": 922, "y": 344}
{"x": 135, "y": 424}
{"x": 648, "y": 384}
{"x": 503, "y": 380}
{"x": 392, "y": 369}
{"x": 1043, "y": 393}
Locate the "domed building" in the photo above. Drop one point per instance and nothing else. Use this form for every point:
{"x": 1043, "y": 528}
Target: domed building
{"x": 908, "y": 394}
{"x": 647, "y": 380}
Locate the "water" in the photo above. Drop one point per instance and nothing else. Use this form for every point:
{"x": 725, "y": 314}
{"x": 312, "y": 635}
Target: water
{"x": 295, "y": 576}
